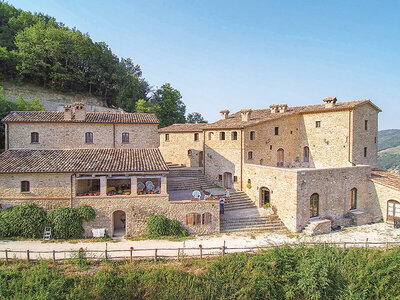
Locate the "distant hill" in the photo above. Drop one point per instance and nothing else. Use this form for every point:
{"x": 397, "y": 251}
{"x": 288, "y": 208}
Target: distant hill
{"x": 389, "y": 149}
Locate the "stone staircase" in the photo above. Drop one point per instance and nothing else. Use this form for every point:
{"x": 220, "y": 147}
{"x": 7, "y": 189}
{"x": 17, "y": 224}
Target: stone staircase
{"x": 239, "y": 200}
{"x": 183, "y": 178}
{"x": 259, "y": 223}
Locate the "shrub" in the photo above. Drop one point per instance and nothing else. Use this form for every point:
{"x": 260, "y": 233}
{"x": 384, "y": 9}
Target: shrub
{"x": 159, "y": 225}
{"x": 65, "y": 223}
{"x": 86, "y": 212}
{"x": 26, "y": 221}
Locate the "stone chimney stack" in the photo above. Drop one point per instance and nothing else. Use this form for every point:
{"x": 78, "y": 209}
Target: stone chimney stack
{"x": 246, "y": 114}
{"x": 274, "y": 108}
{"x": 330, "y": 102}
{"x": 80, "y": 111}
{"x": 224, "y": 114}
{"x": 282, "y": 108}
{"x": 67, "y": 112}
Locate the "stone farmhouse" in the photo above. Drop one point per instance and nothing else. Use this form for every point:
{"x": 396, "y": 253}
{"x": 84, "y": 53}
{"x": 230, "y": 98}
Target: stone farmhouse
{"x": 108, "y": 160}
{"x": 315, "y": 165}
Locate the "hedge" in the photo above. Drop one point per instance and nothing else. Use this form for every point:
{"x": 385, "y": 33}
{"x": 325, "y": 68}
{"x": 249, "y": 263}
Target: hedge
{"x": 159, "y": 225}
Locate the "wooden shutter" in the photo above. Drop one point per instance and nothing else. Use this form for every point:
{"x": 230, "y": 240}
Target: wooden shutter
{"x": 206, "y": 218}
{"x": 185, "y": 220}
{"x": 190, "y": 219}
{"x": 198, "y": 219}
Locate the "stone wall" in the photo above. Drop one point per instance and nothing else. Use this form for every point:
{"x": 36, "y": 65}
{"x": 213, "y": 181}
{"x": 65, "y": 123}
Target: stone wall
{"x": 176, "y": 149}
{"x": 365, "y": 138}
{"x": 139, "y": 209}
{"x": 282, "y": 185}
{"x": 379, "y": 196}
{"x": 72, "y": 135}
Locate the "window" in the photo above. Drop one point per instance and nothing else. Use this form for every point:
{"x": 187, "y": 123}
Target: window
{"x": 318, "y": 124}
{"x": 252, "y": 135}
{"x": 167, "y": 137}
{"x": 220, "y": 177}
{"x": 375, "y": 140}
{"x": 25, "y": 187}
{"x": 393, "y": 210}
{"x": 189, "y": 152}
{"x": 248, "y": 181}
{"x": 234, "y": 136}
{"x": 280, "y": 158}
{"x": 366, "y": 124}
{"x": 353, "y": 198}
{"x": 234, "y": 178}
{"x": 125, "y": 137}
{"x": 314, "y": 205}
{"x": 206, "y": 218}
{"x": 276, "y": 130}
{"x": 306, "y": 154}
{"x": 34, "y": 137}
{"x": 196, "y": 137}
{"x": 365, "y": 151}
{"x": 270, "y": 147}
{"x": 192, "y": 219}
{"x": 210, "y": 135}
{"x": 222, "y": 136}
{"x": 89, "y": 137}
{"x": 250, "y": 155}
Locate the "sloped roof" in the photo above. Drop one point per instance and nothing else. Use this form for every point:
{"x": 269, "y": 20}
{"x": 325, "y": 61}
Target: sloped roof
{"x": 386, "y": 178}
{"x": 91, "y": 117}
{"x": 82, "y": 160}
{"x": 262, "y": 115}
{"x": 183, "y": 128}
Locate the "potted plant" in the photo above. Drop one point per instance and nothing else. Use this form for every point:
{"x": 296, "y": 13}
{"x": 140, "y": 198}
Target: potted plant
{"x": 268, "y": 209}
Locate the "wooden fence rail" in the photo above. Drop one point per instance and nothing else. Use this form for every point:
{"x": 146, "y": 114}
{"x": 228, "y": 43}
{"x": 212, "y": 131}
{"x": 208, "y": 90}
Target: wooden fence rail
{"x": 163, "y": 253}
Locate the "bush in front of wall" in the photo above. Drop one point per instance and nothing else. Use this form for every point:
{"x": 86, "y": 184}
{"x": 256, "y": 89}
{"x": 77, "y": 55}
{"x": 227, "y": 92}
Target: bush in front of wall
{"x": 86, "y": 212}
{"x": 159, "y": 225}
{"x": 65, "y": 222}
{"x": 26, "y": 221}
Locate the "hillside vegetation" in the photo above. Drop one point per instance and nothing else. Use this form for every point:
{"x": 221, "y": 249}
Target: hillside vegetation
{"x": 280, "y": 273}
{"x": 37, "y": 49}
{"x": 389, "y": 149}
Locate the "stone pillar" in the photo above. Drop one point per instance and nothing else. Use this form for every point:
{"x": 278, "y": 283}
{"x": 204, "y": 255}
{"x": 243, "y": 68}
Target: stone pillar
{"x": 133, "y": 185}
{"x": 103, "y": 186}
{"x": 164, "y": 185}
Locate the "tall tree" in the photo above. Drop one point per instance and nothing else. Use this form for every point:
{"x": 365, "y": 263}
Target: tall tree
{"x": 195, "y": 117}
{"x": 168, "y": 105}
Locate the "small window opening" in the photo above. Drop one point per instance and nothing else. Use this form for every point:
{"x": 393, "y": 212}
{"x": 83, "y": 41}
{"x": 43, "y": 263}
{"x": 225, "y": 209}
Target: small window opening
{"x": 25, "y": 186}
{"x": 89, "y": 137}
{"x": 318, "y": 124}
{"x": 276, "y": 130}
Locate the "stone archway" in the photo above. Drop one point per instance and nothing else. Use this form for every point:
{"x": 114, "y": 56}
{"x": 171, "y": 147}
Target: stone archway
{"x": 265, "y": 196}
{"x": 119, "y": 223}
{"x": 228, "y": 180}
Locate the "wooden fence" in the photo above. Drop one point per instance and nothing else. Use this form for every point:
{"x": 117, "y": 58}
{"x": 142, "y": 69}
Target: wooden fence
{"x": 164, "y": 253}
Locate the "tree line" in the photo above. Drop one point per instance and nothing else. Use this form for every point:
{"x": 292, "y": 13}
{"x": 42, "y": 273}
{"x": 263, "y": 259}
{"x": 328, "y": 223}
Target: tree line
{"x": 36, "y": 49}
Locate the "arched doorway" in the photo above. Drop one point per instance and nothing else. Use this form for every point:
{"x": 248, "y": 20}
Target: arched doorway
{"x": 265, "y": 196}
{"x": 393, "y": 210}
{"x": 119, "y": 223}
{"x": 314, "y": 205}
{"x": 280, "y": 158}
{"x": 228, "y": 180}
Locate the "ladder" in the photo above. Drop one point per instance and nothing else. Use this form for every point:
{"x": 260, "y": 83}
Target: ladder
{"x": 47, "y": 233}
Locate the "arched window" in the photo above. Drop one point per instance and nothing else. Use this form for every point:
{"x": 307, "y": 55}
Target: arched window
{"x": 314, "y": 205}
{"x": 393, "y": 210}
{"x": 210, "y": 135}
{"x": 222, "y": 136}
{"x": 206, "y": 218}
{"x": 234, "y": 135}
{"x": 196, "y": 137}
{"x": 250, "y": 155}
{"x": 89, "y": 137}
{"x": 306, "y": 154}
{"x": 34, "y": 137}
{"x": 252, "y": 135}
{"x": 189, "y": 152}
{"x": 280, "y": 158}
{"x": 353, "y": 198}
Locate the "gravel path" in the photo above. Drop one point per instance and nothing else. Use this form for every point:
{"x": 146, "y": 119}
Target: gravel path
{"x": 379, "y": 232}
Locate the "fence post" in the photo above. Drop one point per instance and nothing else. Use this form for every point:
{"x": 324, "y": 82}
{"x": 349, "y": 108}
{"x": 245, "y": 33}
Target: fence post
{"x": 105, "y": 252}
{"x": 54, "y": 257}
{"x": 6, "y": 256}
{"x": 131, "y": 253}
{"x": 366, "y": 243}
{"x": 201, "y": 251}
{"x": 27, "y": 255}
{"x": 344, "y": 245}
{"x": 155, "y": 255}
{"x": 179, "y": 250}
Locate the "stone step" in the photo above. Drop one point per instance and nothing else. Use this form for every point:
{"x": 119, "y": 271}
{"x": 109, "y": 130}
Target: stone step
{"x": 252, "y": 226}
{"x": 252, "y": 229}
{"x": 255, "y": 221}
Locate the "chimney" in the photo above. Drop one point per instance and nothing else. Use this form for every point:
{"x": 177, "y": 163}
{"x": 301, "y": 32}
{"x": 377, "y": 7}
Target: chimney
{"x": 67, "y": 112}
{"x": 274, "y": 108}
{"x": 330, "y": 102}
{"x": 282, "y": 108}
{"x": 80, "y": 111}
{"x": 246, "y": 113}
{"x": 224, "y": 114}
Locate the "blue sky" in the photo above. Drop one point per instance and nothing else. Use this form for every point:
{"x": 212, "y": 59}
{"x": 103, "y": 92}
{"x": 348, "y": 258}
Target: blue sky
{"x": 250, "y": 54}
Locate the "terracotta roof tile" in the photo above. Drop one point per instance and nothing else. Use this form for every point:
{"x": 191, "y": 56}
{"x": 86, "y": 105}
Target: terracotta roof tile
{"x": 386, "y": 178}
{"x": 82, "y": 160}
{"x": 183, "y": 128}
{"x": 91, "y": 117}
